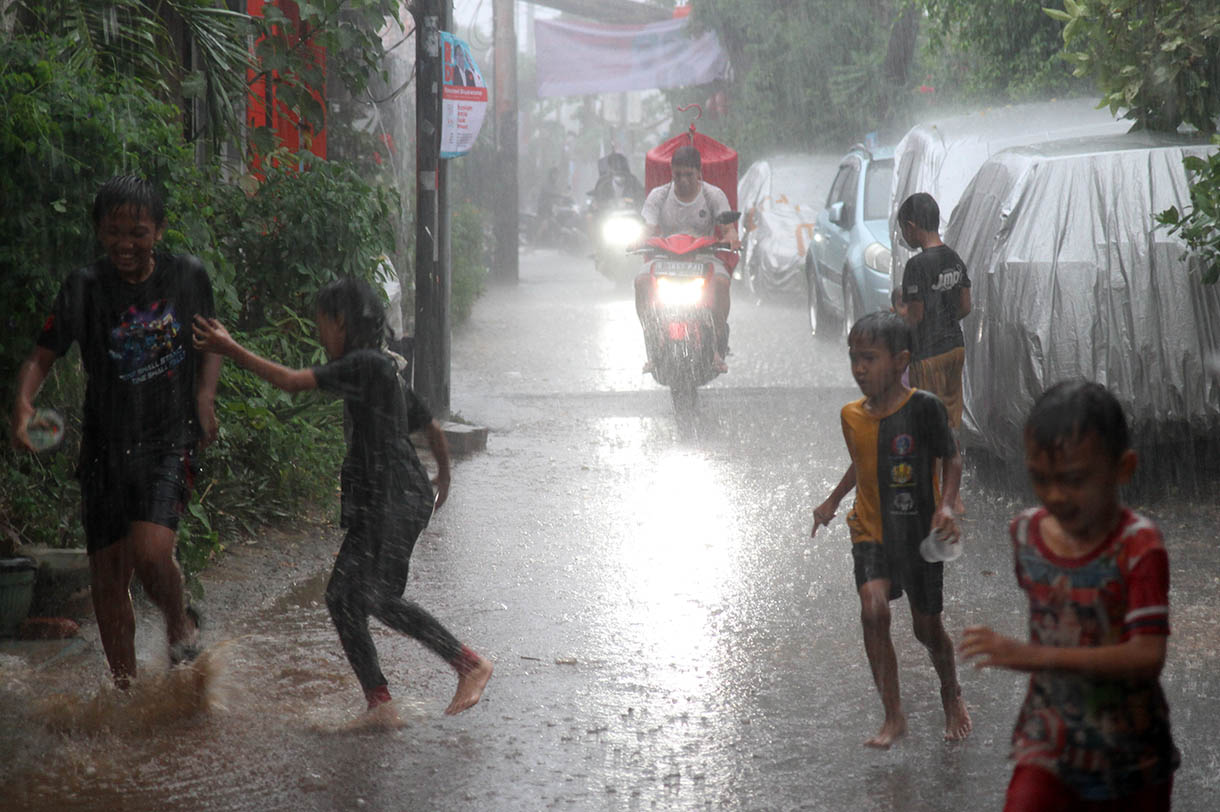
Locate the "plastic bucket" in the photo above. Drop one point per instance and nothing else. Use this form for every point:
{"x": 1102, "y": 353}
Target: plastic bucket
{"x": 16, "y": 592}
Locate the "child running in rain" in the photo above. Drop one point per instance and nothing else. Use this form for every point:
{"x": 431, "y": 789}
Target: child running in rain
{"x": 1094, "y": 730}
{"x": 387, "y": 498}
{"x": 895, "y": 435}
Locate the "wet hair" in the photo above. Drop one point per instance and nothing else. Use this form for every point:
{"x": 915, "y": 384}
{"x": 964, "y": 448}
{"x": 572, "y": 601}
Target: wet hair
{"x": 1071, "y": 409}
{"x": 882, "y": 327}
{"x": 360, "y": 308}
{"x": 687, "y": 156}
{"x": 920, "y": 209}
{"x": 128, "y": 190}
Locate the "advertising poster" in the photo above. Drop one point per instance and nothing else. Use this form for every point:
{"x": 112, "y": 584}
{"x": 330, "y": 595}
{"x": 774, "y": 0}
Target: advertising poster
{"x": 463, "y": 98}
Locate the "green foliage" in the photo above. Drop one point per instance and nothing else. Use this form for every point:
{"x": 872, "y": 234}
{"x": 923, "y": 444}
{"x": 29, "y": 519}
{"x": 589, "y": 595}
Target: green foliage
{"x": 1159, "y": 60}
{"x": 308, "y": 222}
{"x": 133, "y": 38}
{"x": 998, "y": 50}
{"x": 803, "y": 72}
{"x": 469, "y": 255}
{"x": 1200, "y": 228}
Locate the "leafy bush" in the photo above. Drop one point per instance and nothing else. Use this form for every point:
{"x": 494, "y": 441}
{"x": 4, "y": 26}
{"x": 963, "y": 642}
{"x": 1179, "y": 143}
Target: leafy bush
{"x": 1200, "y": 227}
{"x": 469, "y": 257}
{"x": 307, "y": 222}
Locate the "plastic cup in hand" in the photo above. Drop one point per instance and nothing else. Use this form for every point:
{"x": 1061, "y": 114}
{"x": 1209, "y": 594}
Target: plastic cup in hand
{"x": 939, "y": 547}
{"x": 45, "y": 429}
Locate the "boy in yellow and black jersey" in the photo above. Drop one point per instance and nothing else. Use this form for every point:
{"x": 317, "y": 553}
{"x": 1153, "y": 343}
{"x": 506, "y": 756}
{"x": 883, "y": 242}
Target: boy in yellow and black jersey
{"x": 895, "y": 435}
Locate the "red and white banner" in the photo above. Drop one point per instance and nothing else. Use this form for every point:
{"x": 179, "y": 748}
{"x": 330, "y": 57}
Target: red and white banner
{"x": 576, "y": 58}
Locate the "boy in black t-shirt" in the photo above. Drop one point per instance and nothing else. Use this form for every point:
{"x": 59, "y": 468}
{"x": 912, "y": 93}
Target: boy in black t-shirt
{"x": 148, "y": 405}
{"x": 936, "y": 290}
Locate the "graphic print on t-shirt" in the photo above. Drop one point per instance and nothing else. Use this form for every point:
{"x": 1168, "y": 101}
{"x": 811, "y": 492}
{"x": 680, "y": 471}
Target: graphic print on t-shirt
{"x": 143, "y": 344}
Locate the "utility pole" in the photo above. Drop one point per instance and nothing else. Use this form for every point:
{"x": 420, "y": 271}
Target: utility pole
{"x": 432, "y": 255}
{"x": 506, "y": 225}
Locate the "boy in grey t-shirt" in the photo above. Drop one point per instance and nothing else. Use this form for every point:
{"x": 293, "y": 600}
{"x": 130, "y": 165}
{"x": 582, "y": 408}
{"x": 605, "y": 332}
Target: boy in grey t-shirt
{"x": 688, "y": 205}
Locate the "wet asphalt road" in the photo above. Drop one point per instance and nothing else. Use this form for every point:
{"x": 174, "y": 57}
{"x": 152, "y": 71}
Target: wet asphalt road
{"x": 666, "y": 634}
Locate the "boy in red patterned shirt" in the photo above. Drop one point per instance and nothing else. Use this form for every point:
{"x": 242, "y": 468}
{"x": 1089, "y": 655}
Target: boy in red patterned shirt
{"x": 1094, "y": 730}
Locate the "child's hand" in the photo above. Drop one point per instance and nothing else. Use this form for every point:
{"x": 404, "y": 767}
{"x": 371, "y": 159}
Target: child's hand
{"x": 22, "y": 412}
{"x": 944, "y": 522}
{"x": 822, "y": 515}
{"x": 441, "y": 483}
{"x": 211, "y": 336}
{"x": 996, "y": 650}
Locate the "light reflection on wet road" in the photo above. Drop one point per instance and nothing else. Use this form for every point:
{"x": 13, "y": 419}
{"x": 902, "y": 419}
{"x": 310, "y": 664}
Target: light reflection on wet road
{"x": 666, "y": 634}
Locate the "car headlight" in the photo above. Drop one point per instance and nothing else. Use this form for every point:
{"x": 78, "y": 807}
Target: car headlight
{"x": 679, "y": 291}
{"x": 622, "y": 230}
{"x": 877, "y": 257}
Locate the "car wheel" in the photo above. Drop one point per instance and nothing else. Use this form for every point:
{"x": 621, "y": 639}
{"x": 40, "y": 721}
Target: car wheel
{"x": 851, "y": 304}
{"x": 821, "y": 323}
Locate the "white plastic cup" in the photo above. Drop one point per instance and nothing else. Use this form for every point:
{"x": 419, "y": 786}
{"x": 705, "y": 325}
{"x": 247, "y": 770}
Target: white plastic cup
{"x": 938, "y": 547}
{"x": 45, "y": 429}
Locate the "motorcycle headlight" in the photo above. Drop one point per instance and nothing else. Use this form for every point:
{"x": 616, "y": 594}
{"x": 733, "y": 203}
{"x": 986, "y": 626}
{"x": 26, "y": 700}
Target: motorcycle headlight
{"x": 622, "y": 230}
{"x": 679, "y": 291}
{"x": 877, "y": 257}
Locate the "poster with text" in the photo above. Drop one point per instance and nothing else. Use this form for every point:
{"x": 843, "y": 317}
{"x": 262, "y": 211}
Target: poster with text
{"x": 463, "y": 98}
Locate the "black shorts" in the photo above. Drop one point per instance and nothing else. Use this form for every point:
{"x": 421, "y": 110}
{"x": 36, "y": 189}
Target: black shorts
{"x": 905, "y": 569}
{"x": 136, "y": 487}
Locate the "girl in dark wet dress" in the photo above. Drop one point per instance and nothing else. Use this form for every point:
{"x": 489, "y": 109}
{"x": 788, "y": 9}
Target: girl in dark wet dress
{"x": 387, "y": 498}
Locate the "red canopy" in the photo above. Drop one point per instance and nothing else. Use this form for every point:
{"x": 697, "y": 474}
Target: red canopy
{"x": 719, "y": 163}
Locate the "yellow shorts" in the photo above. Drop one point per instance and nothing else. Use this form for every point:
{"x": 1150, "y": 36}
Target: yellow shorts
{"x": 942, "y": 376}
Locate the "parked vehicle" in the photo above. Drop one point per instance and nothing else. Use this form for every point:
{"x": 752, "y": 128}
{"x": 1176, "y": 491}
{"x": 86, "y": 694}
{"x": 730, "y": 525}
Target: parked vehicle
{"x": 779, "y": 198}
{"x": 941, "y": 157}
{"x": 562, "y": 227}
{"x": 680, "y": 268}
{"x": 1073, "y": 279}
{"x": 847, "y": 267}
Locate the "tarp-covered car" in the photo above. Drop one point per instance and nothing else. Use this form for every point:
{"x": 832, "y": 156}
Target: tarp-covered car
{"x": 941, "y": 156}
{"x": 779, "y": 198}
{"x": 1073, "y": 279}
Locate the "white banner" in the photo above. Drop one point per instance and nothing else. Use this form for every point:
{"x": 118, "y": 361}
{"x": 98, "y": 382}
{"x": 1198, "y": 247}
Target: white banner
{"x": 574, "y": 58}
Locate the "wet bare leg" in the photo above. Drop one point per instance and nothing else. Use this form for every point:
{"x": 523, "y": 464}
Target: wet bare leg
{"x": 930, "y": 630}
{"x": 470, "y": 687}
{"x": 152, "y": 547}
{"x": 875, "y": 617}
{"x": 110, "y": 571}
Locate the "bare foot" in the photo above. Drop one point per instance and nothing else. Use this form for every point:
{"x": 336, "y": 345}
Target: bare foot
{"x": 470, "y": 687}
{"x": 957, "y": 719}
{"x": 891, "y": 731}
{"x": 719, "y": 365}
{"x": 380, "y": 717}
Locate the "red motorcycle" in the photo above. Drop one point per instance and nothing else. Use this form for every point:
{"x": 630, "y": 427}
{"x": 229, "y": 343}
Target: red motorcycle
{"x": 680, "y": 269}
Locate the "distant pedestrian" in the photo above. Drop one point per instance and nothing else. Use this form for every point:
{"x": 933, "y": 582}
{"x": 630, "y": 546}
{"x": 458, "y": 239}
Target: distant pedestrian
{"x": 387, "y": 499}
{"x": 149, "y": 404}
{"x": 1093, "y": 732}
{"x": 895, "y": 435}
{"x": 936, "y": 291}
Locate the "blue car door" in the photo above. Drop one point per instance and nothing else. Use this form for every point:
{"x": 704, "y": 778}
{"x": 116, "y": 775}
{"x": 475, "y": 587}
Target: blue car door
{"x": 832, "y": 232}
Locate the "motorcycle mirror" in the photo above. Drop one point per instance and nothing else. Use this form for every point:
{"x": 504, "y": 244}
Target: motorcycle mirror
{"x": 727, "y": 218}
